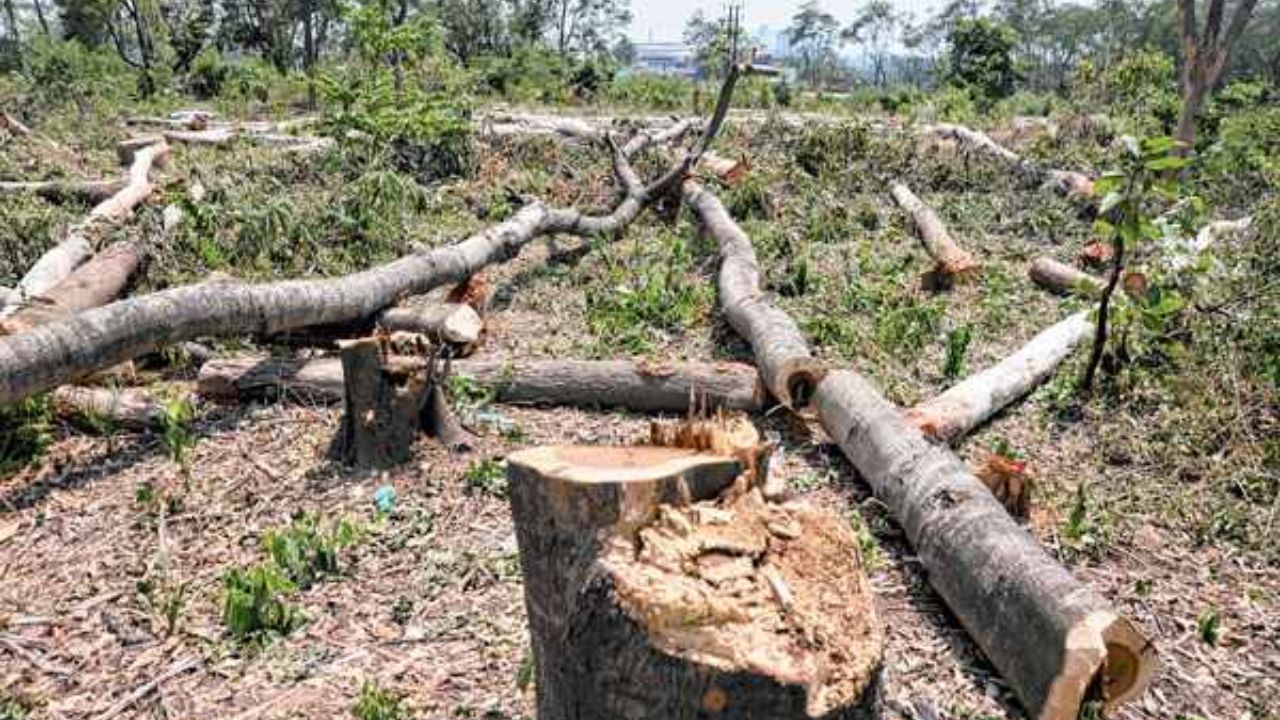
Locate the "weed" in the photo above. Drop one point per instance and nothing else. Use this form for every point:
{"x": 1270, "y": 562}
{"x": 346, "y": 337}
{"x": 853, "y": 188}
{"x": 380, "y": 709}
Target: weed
{"x": 524, "y": 673}
{"x": 1209, "y": 626}
{"x": 254, "y": 606}
{"x": 868, "y": 546}
{"x": 634, "y": 306}
{"x": 402, "y": 610}
{"x": 488, "y": 476}
{"x": 1082, "y": 534}
{"x": 376, "y": 703}
{"x": 957, "y": 348}
{"x": 166, "y": 599}
{"x": 13, "y": 707}
{"x": 176, "y": 432}
{"x": 305, "y": 551}
{"x": 1142, "y": 587}
{"x": 26, "y": 430}
{"x": 905, "y": 329}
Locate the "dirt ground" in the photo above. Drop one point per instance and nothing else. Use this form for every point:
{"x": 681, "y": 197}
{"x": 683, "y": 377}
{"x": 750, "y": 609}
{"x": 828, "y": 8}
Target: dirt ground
{"x": 429, "y": 601}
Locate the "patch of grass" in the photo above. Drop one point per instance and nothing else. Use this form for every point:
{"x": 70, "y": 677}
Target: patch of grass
{"x": 376, "y": 703}
{"x": 957, "y": 347}
{"x": 1083, "y": 534}
{"x": 1209, "y": 626}
{"x": 254, "y": 606}
{"x": 306, "y": 551}
{"x": 868, "y": 546}
{"x": 177, "y": 434}
{"x": 906, "y": 328}
{"x": 487, "y": 476}
{"x": 26, "y": 431}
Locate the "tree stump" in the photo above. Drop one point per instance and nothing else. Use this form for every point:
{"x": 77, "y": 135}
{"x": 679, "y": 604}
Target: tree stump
{"x": 660, "y": 584}
{"x": 382, "y": 404}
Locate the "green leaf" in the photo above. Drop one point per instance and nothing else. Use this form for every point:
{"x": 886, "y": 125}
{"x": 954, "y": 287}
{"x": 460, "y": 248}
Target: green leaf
{"x": 1158, "y": 145}
{"x": 1109, "y": 202}
{"x": 1167, "y": 162}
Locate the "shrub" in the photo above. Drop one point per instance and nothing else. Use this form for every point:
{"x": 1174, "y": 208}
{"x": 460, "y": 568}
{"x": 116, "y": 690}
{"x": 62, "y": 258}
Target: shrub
{"x": 659, "y": 92}
{"x": 305, "y": 551}
{"x": 981, "y": 58}
{"x": 254, "y": 606}
{"x": 26, "y": 431}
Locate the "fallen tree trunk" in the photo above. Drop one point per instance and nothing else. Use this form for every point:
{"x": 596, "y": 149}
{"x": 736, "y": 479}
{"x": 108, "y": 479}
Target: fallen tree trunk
{"x": 218, "y": 137}
{"x": 450, "y": 322}
{"x": 1053, "y": 639}
{"x": 125, "y": 408}
{"x": 55, "y": 265}
{"x": 1066, "y": 182}
{"x": 64, "y": 190}
{"x": 1063, "y": 279}
{"x": 95, "y": 283}
{"x": 789, "y": 370}
{"x": 951, "y": 260}
{"x": 658, "y": 588}
{"x": 14, "y": 125}
{"x": 963, "y": 407}
{"x": 581, "y": 383}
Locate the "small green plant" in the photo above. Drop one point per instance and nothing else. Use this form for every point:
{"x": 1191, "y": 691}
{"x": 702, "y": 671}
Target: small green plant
{"x": 957, "y": 348}
{"x": 26, "y": 431}
{"x": 1081, "y": 534}
{"x": 166, "y": 599}
{"x": 376, "y": 703}
{"x": 1209, "y": 626}
{"x": 13, "y": 707}
{"x": 176, "y": 432}
{"x": 868, "y": 546}
{"x": 648, "y": 298}
{"x": 487, "y": 476}
{"x": 305, "y": 551}
{"x": 254, "y": 606}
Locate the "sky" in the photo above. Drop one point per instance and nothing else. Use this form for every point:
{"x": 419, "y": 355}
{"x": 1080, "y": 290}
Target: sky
{"x": 665, "y": 19}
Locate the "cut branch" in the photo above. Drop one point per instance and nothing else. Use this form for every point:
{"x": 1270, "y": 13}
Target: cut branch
{"x": 93, "y": 284}
{"x": 125, "y": 408}
{"x": 1066, "y": 182}
{"x": 64, "y": 190}
{"x": 617, "y": 384}
{"x": 1064, "y": 279}
{"x": 952, "y": 261}
{"x": 789, "y": 370}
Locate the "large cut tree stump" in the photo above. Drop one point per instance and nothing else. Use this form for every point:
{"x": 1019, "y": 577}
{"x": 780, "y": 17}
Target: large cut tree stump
{"x": 660, "y": 584}
{"x": 382, "y": 404}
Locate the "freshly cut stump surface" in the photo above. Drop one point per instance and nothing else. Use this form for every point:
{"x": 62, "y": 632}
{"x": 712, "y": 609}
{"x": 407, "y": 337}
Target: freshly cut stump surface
{"x": 659, "y": 585}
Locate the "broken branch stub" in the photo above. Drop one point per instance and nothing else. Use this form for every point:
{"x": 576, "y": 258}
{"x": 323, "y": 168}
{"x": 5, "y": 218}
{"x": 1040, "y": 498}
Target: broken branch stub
{"x": 659, "y": 586}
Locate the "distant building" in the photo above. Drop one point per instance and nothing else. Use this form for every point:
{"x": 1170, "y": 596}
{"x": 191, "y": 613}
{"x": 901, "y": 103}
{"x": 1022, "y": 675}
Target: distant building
{"x": 664, "y": 58}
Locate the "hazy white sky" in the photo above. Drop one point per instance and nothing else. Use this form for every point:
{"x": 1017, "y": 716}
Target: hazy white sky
{"x": 664, "y": 19}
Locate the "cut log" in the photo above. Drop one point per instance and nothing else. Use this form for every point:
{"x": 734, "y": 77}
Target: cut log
{"x": 450, "y": 322}
{"x": 64, "y": 190}
{"x": 951, "y": 260}
{"x": 666, "y": 387}
{"x": 1066, "y": 182}
{"x": 93, "y": 284}
{"x": 216, "y": 137}
{"x": 125, "y": 408}
{"x": 55, "y": 265}
{"x": 382, "y": 406}
{"x": 789, "y": 369}
{"x": 963, "y": 407}
{"x": 655, "y": 591}
{"x": 13, "y": 125}
{"x": 1053, "y": 639}
{"x": 726, "y": 170}
{"x": 1064, "y": 279}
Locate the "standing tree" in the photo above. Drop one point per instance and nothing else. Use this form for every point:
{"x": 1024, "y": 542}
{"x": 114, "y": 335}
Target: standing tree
{"x": 588, "y": 26}
{"x": 982, "y": 57}
{"x": 709, "y": 40}
{"x": 873, "y": 27}
{"x": 812, "y": 36}
{"x": 1204, "y": 56}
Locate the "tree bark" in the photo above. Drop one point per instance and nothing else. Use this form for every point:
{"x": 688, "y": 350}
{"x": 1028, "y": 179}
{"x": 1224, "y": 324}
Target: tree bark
{"x": 95, "y": 283}
{"x": 1204, "y": 57}
{"x": 952, "y": 261}
{"x": 55, "y": 265}
{"x": 789, "y": 370}
{"x": 450, "y": 322}
{"x": 217, "y": 137}
{"x": 1063, "y": 279}
{"x": 382, "y": 406}
{"x": 963, "y": 407}
{"x": 580, "y": 383}
{"x": 64, "y": 190}
{"x": 125, "y": 408}
{"x": 13, "y": 125}
{"x": 657, "y": 589}
{"x": 1053, "y": 639}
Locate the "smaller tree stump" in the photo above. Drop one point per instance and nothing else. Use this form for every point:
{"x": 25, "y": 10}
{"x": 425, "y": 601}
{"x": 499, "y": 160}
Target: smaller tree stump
{"x": 661, "y": 585}
{"x": 382, "y": 405}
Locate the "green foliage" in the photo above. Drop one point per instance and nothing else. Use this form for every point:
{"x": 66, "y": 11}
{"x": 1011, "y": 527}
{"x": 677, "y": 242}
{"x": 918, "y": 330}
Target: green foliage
{"x": 981, "y": 58}
{"x": 1209, "y": 626}
{"x": 659, "y": 92}
{"x": 176, "y": 432}
{"x": 1142, "y": 86}
{"x": 13, "y": 707}
{"x": 870, "y": 554}
{"x": 905, "y": 327}
{"x": 488, "y": 476}
{"x": 57, "y": 72}
{"x": 957, "y": 348}
{"x": 824, "y": 150}
{"x": 254, "y": 606}
{"x": 306, "y": 551}
{"x": 26, "y": 431}
{"x": 637, "y": 302}
{"x": 1083, "y": 534}
{"x": 166, "y": 599}
{"x": 1246, "y": 155}
{"x": 375, "y": 703}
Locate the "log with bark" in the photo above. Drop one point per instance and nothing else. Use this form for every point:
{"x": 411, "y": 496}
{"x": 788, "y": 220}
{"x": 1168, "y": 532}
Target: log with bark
{"x": 1066, "y": 182}
{"x": 952, "y": 261}
{"x": 64, "y": 190}
{"x": 1064, "y": 279}
{"x": 660, "y": 584}
{"x": 126, "y": 408}
{"x": 215, "y": 137}
{"x": 13, "y": 125}
{"x": 1056, "y": 642}
{"x": 456, "y": 324}
{"x": 95, "y": 283}
{"x": 788, "y": 368}
{"x": 640, "y": 387}
{"x": 55, "y": 265}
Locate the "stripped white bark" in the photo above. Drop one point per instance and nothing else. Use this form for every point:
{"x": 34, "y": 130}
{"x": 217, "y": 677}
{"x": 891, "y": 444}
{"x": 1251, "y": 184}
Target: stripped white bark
{"x": 1063, "y": 279}
{"x": 55, "y": 265}
{"x": 963, "y": 407}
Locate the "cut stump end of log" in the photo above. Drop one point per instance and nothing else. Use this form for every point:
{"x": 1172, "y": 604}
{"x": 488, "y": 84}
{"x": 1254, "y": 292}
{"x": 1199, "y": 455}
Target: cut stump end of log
{"x": 796, "y": 381}
{"x": 658, "y": 587}
{"x": 1106, "y": 657}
